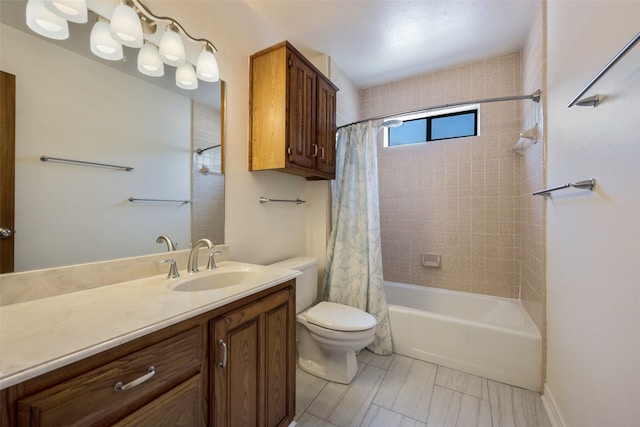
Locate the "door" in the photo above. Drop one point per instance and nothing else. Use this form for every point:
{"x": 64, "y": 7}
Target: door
{"x": 302, "y": 101}
{"x": 326, "y": 129}
{"x": 7, "y": 169}
{"x": 253, "y": 366}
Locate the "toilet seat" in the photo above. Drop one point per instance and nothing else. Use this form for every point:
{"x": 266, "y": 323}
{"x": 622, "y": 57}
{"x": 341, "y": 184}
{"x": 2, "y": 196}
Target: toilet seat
{"x": 339, "y": 317}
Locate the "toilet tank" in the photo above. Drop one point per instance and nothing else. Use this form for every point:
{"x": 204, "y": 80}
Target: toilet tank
{"x": 307, "y": 284}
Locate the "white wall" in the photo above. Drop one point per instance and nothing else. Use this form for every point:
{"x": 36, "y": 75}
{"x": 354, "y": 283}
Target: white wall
{"x": 255, "y": 232}
{"x": 259, "y": 233}
{"x": 593, "y": 252}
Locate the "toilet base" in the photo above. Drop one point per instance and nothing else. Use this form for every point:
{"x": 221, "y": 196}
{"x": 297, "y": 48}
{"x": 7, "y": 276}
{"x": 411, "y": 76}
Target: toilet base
{"x": 336, "y": 366}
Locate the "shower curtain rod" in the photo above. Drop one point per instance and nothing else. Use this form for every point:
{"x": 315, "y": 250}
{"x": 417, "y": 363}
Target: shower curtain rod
{"x": 535, "y": 97}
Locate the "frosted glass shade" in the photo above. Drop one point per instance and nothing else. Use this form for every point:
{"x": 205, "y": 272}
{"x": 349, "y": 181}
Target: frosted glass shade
{"x": 126, "y": 27}
{"x": 207, "y": 67}
{"x": 71, "y": 10}
{"x": 186, "y": 77}
{"x": 171, "y": 48}
{"x": 102, "y": 44}
{"x": 149, "y": 61}
{"x": 46, "y": 23}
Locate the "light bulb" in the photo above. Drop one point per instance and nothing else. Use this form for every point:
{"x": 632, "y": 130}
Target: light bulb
{"x": 46, "y": 23}
{"x": 149, "y": 61}
{"x": 71, "y": 10}
{"x": 171, "y": 47}
{"x": 126, "y": 27}
{"x": 186, "y": 77}
{"x": 102, "y": 44}
{"x": 207, "y": 66}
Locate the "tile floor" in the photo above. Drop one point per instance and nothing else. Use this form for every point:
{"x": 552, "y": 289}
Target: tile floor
{"x": 395, "y": 390}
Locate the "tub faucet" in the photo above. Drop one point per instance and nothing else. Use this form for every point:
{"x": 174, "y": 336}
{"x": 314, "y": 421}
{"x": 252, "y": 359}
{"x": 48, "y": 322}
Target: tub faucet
{"x": 192, "y": 266}
{"x": 170, "y": 245}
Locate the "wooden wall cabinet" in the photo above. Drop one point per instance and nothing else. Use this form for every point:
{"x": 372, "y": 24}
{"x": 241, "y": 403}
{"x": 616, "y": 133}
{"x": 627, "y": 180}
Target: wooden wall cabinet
{"x": 292, "y": 114}
{"x": 255, "y": 387}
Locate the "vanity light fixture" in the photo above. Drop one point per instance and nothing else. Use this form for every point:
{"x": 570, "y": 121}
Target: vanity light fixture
{"x": 207, "y": 66}
{"x": 71, "y": 10}
{"x": 102, "y": 44}
{"x": 126, "y": 27}
{"x": 149, "y": 61}
{"x": 46, "y": 23}
{"x": 171, "y": 46}
{"x": 185, "y": 77}
{"x": 132, "y": 24}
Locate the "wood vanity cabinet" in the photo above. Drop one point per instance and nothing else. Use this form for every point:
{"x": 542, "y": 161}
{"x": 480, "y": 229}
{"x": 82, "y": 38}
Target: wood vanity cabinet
{"x": 292, "y": 114}
{"x": 256, "y": 386}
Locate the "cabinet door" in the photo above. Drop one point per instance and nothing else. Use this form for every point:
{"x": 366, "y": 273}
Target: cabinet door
{"x": 302, "y": 101}
{"x": 326, "y": 129}
{"x": 253, "y": 366}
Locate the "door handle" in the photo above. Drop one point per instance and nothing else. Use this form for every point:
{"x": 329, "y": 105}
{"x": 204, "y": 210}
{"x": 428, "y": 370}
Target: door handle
{"x": 223, "y": 345}
{"x": 5, "y": 233}
{"x": 123, "y": 387}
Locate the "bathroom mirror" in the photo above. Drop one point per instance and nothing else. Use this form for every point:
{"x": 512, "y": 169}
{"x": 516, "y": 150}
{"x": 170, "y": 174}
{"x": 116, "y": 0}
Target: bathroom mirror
{"x": 71, "y": 104}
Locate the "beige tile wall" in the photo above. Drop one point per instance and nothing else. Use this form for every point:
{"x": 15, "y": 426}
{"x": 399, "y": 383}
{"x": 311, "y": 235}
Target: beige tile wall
{"x": 530, "y": 178}
{"x": 458, "y": 197}
{"x": 207, "y": 209}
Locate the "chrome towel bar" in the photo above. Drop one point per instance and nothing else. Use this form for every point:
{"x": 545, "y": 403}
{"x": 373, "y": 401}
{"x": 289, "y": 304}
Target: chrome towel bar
{"x": 587, "y": 184}
{"x": 593, "y": 100}
{"x": 296, "y": 201}
{"x": 82, "y": 162}
{"x": 133, "y": 199}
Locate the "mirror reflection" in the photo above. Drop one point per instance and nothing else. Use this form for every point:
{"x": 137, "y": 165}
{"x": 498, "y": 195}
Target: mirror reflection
{"x": 71, "y": 104}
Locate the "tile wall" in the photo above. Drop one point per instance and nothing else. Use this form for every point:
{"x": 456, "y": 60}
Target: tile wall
{"x": 207, "y": 209}
{"x": 531, "y": 177}
{"x": 458, "y": 197}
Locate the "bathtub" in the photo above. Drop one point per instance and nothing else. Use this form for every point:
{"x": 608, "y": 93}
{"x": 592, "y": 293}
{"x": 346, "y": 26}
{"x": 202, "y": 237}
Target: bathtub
{"x": 491, "y": 337}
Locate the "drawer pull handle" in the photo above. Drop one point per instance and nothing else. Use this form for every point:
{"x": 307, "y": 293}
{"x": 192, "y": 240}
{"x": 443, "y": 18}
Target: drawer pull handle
{"x": 322, "y": 153}
{"x": 315, "y": 150}
{"x": 223, "y": 344}
{"x": 122, "y": 387}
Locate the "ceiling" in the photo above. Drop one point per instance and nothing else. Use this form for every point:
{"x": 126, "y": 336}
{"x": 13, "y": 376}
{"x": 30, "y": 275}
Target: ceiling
{"x": 380, "y": 41}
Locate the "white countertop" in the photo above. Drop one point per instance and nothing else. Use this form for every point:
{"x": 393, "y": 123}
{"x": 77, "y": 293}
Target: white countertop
{"x": 42, "y": 335}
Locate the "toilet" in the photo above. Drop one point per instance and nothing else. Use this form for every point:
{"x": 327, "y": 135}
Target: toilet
{"x": 327, "y": 334}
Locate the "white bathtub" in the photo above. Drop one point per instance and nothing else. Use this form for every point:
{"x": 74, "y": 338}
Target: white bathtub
{"x": 483, "y": 335}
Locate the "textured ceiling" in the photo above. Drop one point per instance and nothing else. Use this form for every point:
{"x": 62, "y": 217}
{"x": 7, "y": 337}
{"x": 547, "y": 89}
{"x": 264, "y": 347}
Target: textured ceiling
{"x": 379, "y": 41}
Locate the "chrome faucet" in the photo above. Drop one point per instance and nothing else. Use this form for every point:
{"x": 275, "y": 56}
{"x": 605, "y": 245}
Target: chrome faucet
{"x": 170, "y": 245}
{"x": 192, "y": 266}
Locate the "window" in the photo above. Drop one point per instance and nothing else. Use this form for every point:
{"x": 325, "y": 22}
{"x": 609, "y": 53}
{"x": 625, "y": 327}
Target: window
{"x": 434, "y": 126}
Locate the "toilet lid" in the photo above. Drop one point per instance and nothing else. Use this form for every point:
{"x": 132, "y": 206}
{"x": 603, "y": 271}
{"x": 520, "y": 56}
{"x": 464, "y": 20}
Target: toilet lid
{"x": 340, "y": 317}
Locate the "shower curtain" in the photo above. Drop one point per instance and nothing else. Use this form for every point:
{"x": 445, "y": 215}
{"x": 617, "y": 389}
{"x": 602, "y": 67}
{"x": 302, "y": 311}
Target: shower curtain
{"x": 353, "y": 274}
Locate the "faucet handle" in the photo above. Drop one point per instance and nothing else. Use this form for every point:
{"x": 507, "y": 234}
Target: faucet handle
{"x": 211, "y": 265}
{"x": 173, "y": 268}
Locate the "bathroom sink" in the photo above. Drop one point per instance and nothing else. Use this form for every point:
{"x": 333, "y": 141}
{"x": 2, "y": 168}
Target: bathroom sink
{"x": 208, "y": 281}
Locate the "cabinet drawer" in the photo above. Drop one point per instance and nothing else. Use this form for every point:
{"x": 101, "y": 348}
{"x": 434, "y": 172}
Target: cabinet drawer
{"x": 181, "y": 406}
{"x": 91, "y": 398}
